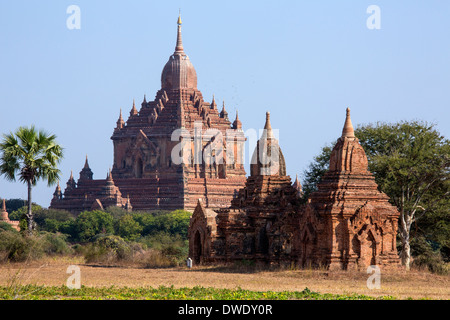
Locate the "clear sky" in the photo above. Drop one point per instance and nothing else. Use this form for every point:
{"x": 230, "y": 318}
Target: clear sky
{"x": 304, "y": 61}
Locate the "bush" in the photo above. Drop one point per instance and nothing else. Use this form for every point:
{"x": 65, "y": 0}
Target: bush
{"x": 55, "y": 244}
{"x": 171, "y": 247}
{"x": 17, "y": 248}
{"x": 425, "y": 256}
{"x": 110, "y": 249}
{"x": 156, "y": 259}
{"x": 6, "y": 227}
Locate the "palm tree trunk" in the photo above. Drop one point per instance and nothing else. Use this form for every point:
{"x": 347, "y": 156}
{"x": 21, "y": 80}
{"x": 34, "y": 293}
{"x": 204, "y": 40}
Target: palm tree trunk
{"x": 29, "y": 213}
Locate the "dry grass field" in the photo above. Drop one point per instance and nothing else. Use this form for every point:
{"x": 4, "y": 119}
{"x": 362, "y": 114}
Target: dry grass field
{"x": 399, "y": 284}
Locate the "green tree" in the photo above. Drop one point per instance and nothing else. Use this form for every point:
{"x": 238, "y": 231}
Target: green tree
{"x": 91, "y": 223}
{"x": 316, "y": 169}
{"x": 127, "y": 228}
{"x": 411, "y": 162}
{"x": 21, "y": 213}
{"x": 33, "y": 155}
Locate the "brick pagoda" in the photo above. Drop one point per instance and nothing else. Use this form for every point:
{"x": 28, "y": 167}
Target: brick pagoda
{"x": 144, "y": 175}
{"x": 347, "y": 224}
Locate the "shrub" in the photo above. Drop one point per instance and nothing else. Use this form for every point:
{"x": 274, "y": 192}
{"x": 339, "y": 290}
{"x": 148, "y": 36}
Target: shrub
{"x": 425, "y": 256}
{"x": 110, "y": 249}
{"x": 55, "y": 243}
{"x": 156, "y": 259}
{"x": 17, "y": 248}
{"x": 171, "y": 247}
{"x": 6, "y": 227}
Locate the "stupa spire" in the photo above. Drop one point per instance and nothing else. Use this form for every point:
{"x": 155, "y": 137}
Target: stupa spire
{"x": 179, "y": 47}
{"x": 224, "y": 113}
{"x": 268, "y": 126}
{"x": 213, "y": 103}
{"x": 86, "y": 163}
{"x": 120, "y": 121}
{"x": 237, "y": 124}
{"x": 109, "y": 176}
{"x": 134, "y": 111}
{"x": 4, "y": 214}
{"x": 348, "y": 130}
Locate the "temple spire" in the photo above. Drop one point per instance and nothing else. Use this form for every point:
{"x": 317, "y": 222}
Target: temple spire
{"x": 4, "y": 214}
{"x": 213, "y": 103}
{"x": 237, "y": 124}
{"x": 348, "y": 130}
{"x": 224, "y": 113}
{"x": 109, "y": 176}
{"x": 57, "y": 195}
{"x": 134, "y": 111}
{"x": 120, "y": 121}
{"x": 268, "y": 126}
{"x": 298, "y": 187}
{"x": 86, "y": 163}
{"x": 86, "y": 173}
{"x": 179, "y": 47}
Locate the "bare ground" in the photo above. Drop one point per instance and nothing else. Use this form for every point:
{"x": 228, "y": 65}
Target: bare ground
{"x": 399, "y": 283}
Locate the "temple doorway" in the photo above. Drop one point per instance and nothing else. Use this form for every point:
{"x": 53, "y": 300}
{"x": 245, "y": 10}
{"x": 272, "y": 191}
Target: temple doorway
{"x": 197, "y": 247}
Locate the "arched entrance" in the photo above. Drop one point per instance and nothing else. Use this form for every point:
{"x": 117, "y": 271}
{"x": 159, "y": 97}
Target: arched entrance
{"x": 139, "y": 168}
{"x": 368, "y": 250}
{"x": 306, "y": 251}
{"x": 197, "y": 248}
{"x": 365, "y": 247}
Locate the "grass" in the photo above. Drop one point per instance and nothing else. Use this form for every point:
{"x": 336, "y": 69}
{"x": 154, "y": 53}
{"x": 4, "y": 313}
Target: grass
{"x": 46, "y": 279}
{"x": 34, "y": 292}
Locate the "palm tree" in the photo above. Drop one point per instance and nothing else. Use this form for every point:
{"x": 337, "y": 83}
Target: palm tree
{"x": 33, "y": 155}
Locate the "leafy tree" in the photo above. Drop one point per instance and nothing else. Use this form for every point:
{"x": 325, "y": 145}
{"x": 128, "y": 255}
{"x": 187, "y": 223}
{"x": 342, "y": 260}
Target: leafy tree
{"x": 33, "y": 155}
{"x": 21, "y": 213}
{"x": 410, "y": 162}
{"x": 127, "y": 228}
{"x": 316, "y": 169}
{"x": 175, "y": 222}
{"x": 91, "y": 223}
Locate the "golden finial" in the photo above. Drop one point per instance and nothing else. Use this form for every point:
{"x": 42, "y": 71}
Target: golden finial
{"x": 179, "y": 18}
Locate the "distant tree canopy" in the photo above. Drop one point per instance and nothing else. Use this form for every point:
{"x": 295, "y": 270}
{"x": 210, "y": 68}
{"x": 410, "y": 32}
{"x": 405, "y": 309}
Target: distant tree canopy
{"x": 410, "y": 162}
{"x": 86, "y": 226}
{"x": 14, "y": 204}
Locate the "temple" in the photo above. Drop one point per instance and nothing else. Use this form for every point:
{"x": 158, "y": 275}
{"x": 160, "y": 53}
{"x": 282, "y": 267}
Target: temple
{"x": 180, "y": 152}
{"x": 145, "y": 174}
{"x": 346, "y": 224}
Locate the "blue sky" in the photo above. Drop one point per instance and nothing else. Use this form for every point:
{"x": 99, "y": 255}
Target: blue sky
{"x": 304, "y": 61}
